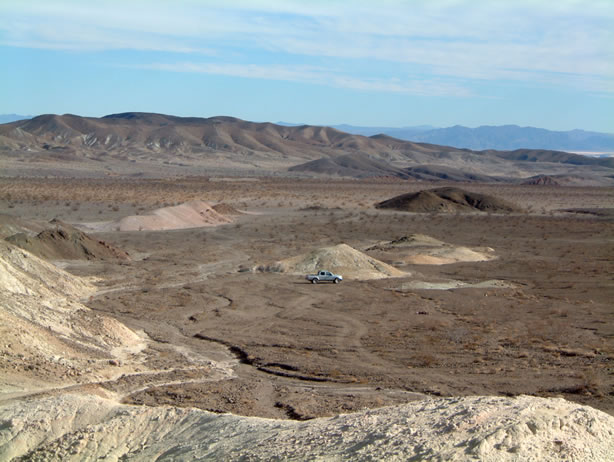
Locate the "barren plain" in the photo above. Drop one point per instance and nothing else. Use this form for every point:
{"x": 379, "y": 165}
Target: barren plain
{"x": 304, "y": 351}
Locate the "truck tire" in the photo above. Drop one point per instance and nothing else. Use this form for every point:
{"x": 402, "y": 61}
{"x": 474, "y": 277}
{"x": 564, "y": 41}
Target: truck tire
{"x": 337, "y": 281}
{"x": 314, "y": 281}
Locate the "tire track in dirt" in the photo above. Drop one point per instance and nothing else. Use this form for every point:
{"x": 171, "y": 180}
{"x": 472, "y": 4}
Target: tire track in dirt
{"x": 204, "y": 271}
{"x": 349, "y": 337}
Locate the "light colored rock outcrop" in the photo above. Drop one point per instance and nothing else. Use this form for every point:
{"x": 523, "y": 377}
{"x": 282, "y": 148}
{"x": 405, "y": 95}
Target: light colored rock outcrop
{"x": 75, "y": 428}
{"x": 47, "y": 336}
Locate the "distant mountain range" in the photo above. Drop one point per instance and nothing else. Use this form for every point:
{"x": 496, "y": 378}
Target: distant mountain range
{"x": 505, "y": 137}
{"x": 403, "y": 133}
{"x": 130, "y": 143}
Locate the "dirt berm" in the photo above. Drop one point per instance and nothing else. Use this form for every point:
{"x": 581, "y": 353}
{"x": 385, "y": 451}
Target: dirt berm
{"x": 447, "y": 200}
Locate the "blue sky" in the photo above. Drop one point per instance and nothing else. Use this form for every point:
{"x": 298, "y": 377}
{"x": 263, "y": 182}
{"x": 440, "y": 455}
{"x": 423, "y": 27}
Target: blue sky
{"x": 548, "y": 64}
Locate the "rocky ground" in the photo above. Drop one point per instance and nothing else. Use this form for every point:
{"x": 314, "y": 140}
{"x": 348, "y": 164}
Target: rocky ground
{"x": 532, "y": 317}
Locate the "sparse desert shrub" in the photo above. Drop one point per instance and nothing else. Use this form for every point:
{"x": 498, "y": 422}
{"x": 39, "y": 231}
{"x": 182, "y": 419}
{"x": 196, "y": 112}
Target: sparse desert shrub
{"x": 276, "y": 267}
{"x": 588, "y": 384}
{"x": 560, "y": 312}
{"x": 435, "y": 325}
{"x": 423, "y": 359}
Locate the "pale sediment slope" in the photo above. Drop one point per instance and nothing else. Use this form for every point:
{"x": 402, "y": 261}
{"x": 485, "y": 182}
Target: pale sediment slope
{"x": 341, "y": 259}
{"x": 445, "y": 256}
{"x": 419, "y": 249}
{"x": 47, "y": 336}
{"x": 193, "y": 214}
{"x": 451, "y": 284}
{"x": 73, "y": 427}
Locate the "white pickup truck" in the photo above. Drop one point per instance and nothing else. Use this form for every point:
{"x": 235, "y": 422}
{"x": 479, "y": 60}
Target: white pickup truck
{"x": 324, "y": 276}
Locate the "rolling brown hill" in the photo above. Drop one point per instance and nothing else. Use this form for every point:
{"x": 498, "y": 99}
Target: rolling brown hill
{"x": 161, "y": 133}
{"x": 447, "y": 200}
{"x": 134, "y": 142}
{"x": 543, "y": 180}
{"x": 544, "y": 155}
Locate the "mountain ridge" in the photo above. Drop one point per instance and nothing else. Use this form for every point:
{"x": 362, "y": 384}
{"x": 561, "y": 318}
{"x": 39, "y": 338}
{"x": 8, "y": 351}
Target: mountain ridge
{"x": 137, "y": 138}
{"x": 159, "y": 132}
{"x": 483, "y": 137}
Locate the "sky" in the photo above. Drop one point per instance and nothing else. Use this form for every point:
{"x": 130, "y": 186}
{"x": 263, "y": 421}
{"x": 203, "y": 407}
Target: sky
{"x": 385, "y": 63}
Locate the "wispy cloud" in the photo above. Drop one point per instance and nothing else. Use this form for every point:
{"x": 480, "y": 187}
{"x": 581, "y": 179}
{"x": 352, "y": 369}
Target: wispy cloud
{"x": 317, "y": 76}
{"x": 565, "y": 43}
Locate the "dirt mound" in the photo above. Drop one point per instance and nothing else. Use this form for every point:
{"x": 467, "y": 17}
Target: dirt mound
{"x": 64, "y": 242}
{"x": 47, "y": 336}
{"x": 542, "y": 180}
{"x": 193, "y": 214}
{"x": 226, "y": 209}
{"x": 419, "y": 249}
{"x": 73, "y": 427}
{"x": 341, "y": 259}
{"x": 447, "y": 200}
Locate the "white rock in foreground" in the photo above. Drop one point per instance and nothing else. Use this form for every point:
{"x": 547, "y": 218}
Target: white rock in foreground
{"x": 75, "y": 428}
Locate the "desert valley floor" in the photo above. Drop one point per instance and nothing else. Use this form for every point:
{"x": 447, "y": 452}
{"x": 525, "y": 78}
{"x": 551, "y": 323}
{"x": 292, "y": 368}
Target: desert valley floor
{"x": 480, "y": 303}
